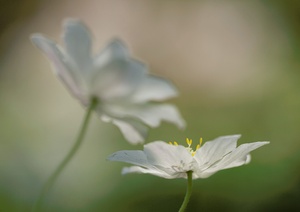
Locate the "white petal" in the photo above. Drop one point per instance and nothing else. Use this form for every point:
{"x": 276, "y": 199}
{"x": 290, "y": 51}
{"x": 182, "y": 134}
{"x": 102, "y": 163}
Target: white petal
{"x": 133, "y": 132}
{"x": 215, "y": 150}
{"x": 118, "y": 79}
{"x": 115, "y": 50}
{"x": 60, "y": 65}
{"x": 151, "y": 114}
{"x": 238, "y": 157}
{"x": 154, "y": 114}
{"x": 137, "y": 169}
{"x": 136, "y": 157}
{"x": 77, "y": 41}
{"x": 154, "y": 89}
{"x": 202, "y": 175}
{"x": 169, "y": 158}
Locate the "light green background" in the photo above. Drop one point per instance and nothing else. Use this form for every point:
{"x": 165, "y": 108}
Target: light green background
{"x": 236, "y": 66}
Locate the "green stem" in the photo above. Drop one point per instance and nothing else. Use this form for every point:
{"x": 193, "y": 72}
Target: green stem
{"x": 66, "y": 160}
{"x": 188, "y": 191}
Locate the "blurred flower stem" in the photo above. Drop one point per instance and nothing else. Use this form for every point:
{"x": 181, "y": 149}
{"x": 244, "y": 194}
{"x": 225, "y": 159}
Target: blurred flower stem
{"x": 68, "y": 157}
{"x": 188, "y": 191}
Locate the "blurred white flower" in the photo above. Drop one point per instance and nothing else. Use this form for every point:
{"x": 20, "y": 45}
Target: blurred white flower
{"x": 174, "y": 161}
{"x": 122, "y": 85}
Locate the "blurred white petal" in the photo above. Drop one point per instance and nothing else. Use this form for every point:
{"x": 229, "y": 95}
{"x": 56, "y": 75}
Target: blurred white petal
{"x": 122, "y": 84}
{"x": 117, "y": 79}
{"x": 77, "y": 41}
{"x": 60, "y": 66}
{"x": 154, "y": 89}
{"x": 134, "y": 132}
{"x": 116, "y": 49}
{"x": 151, "y": 114}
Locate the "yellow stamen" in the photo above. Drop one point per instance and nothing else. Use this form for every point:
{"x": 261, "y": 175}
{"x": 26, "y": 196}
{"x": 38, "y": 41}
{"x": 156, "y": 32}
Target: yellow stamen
{"x": 189, "y": 141}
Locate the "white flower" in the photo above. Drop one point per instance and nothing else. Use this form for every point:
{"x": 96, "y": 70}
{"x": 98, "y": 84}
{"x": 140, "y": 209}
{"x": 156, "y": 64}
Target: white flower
{"x": 174, "y": 161}
{"x": 122, "y": 85}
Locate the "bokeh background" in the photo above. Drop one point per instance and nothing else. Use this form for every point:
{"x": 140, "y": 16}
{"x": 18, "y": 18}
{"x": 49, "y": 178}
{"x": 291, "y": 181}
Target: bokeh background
{"x": 235, "y": 63}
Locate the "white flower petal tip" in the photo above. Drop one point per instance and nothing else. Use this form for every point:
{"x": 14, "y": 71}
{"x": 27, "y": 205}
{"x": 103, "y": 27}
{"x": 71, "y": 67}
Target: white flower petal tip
{"x": 118, "y": 44}
{"x": 36, "y": 38}
{"x": 128, "y": 94}
{"x": 174, "y": 161}
{"x": 118, "y": 49}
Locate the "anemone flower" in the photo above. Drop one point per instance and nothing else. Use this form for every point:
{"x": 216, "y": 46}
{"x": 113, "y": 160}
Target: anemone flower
{"x": 176, "y": 161}
{"x": 123, "y": 91}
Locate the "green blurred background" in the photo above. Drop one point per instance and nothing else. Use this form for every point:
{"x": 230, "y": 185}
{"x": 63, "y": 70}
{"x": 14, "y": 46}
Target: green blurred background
{"x": 235, "y": 63}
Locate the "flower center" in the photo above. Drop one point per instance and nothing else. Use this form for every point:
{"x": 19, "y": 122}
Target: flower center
{"x": 189, "y": 143}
